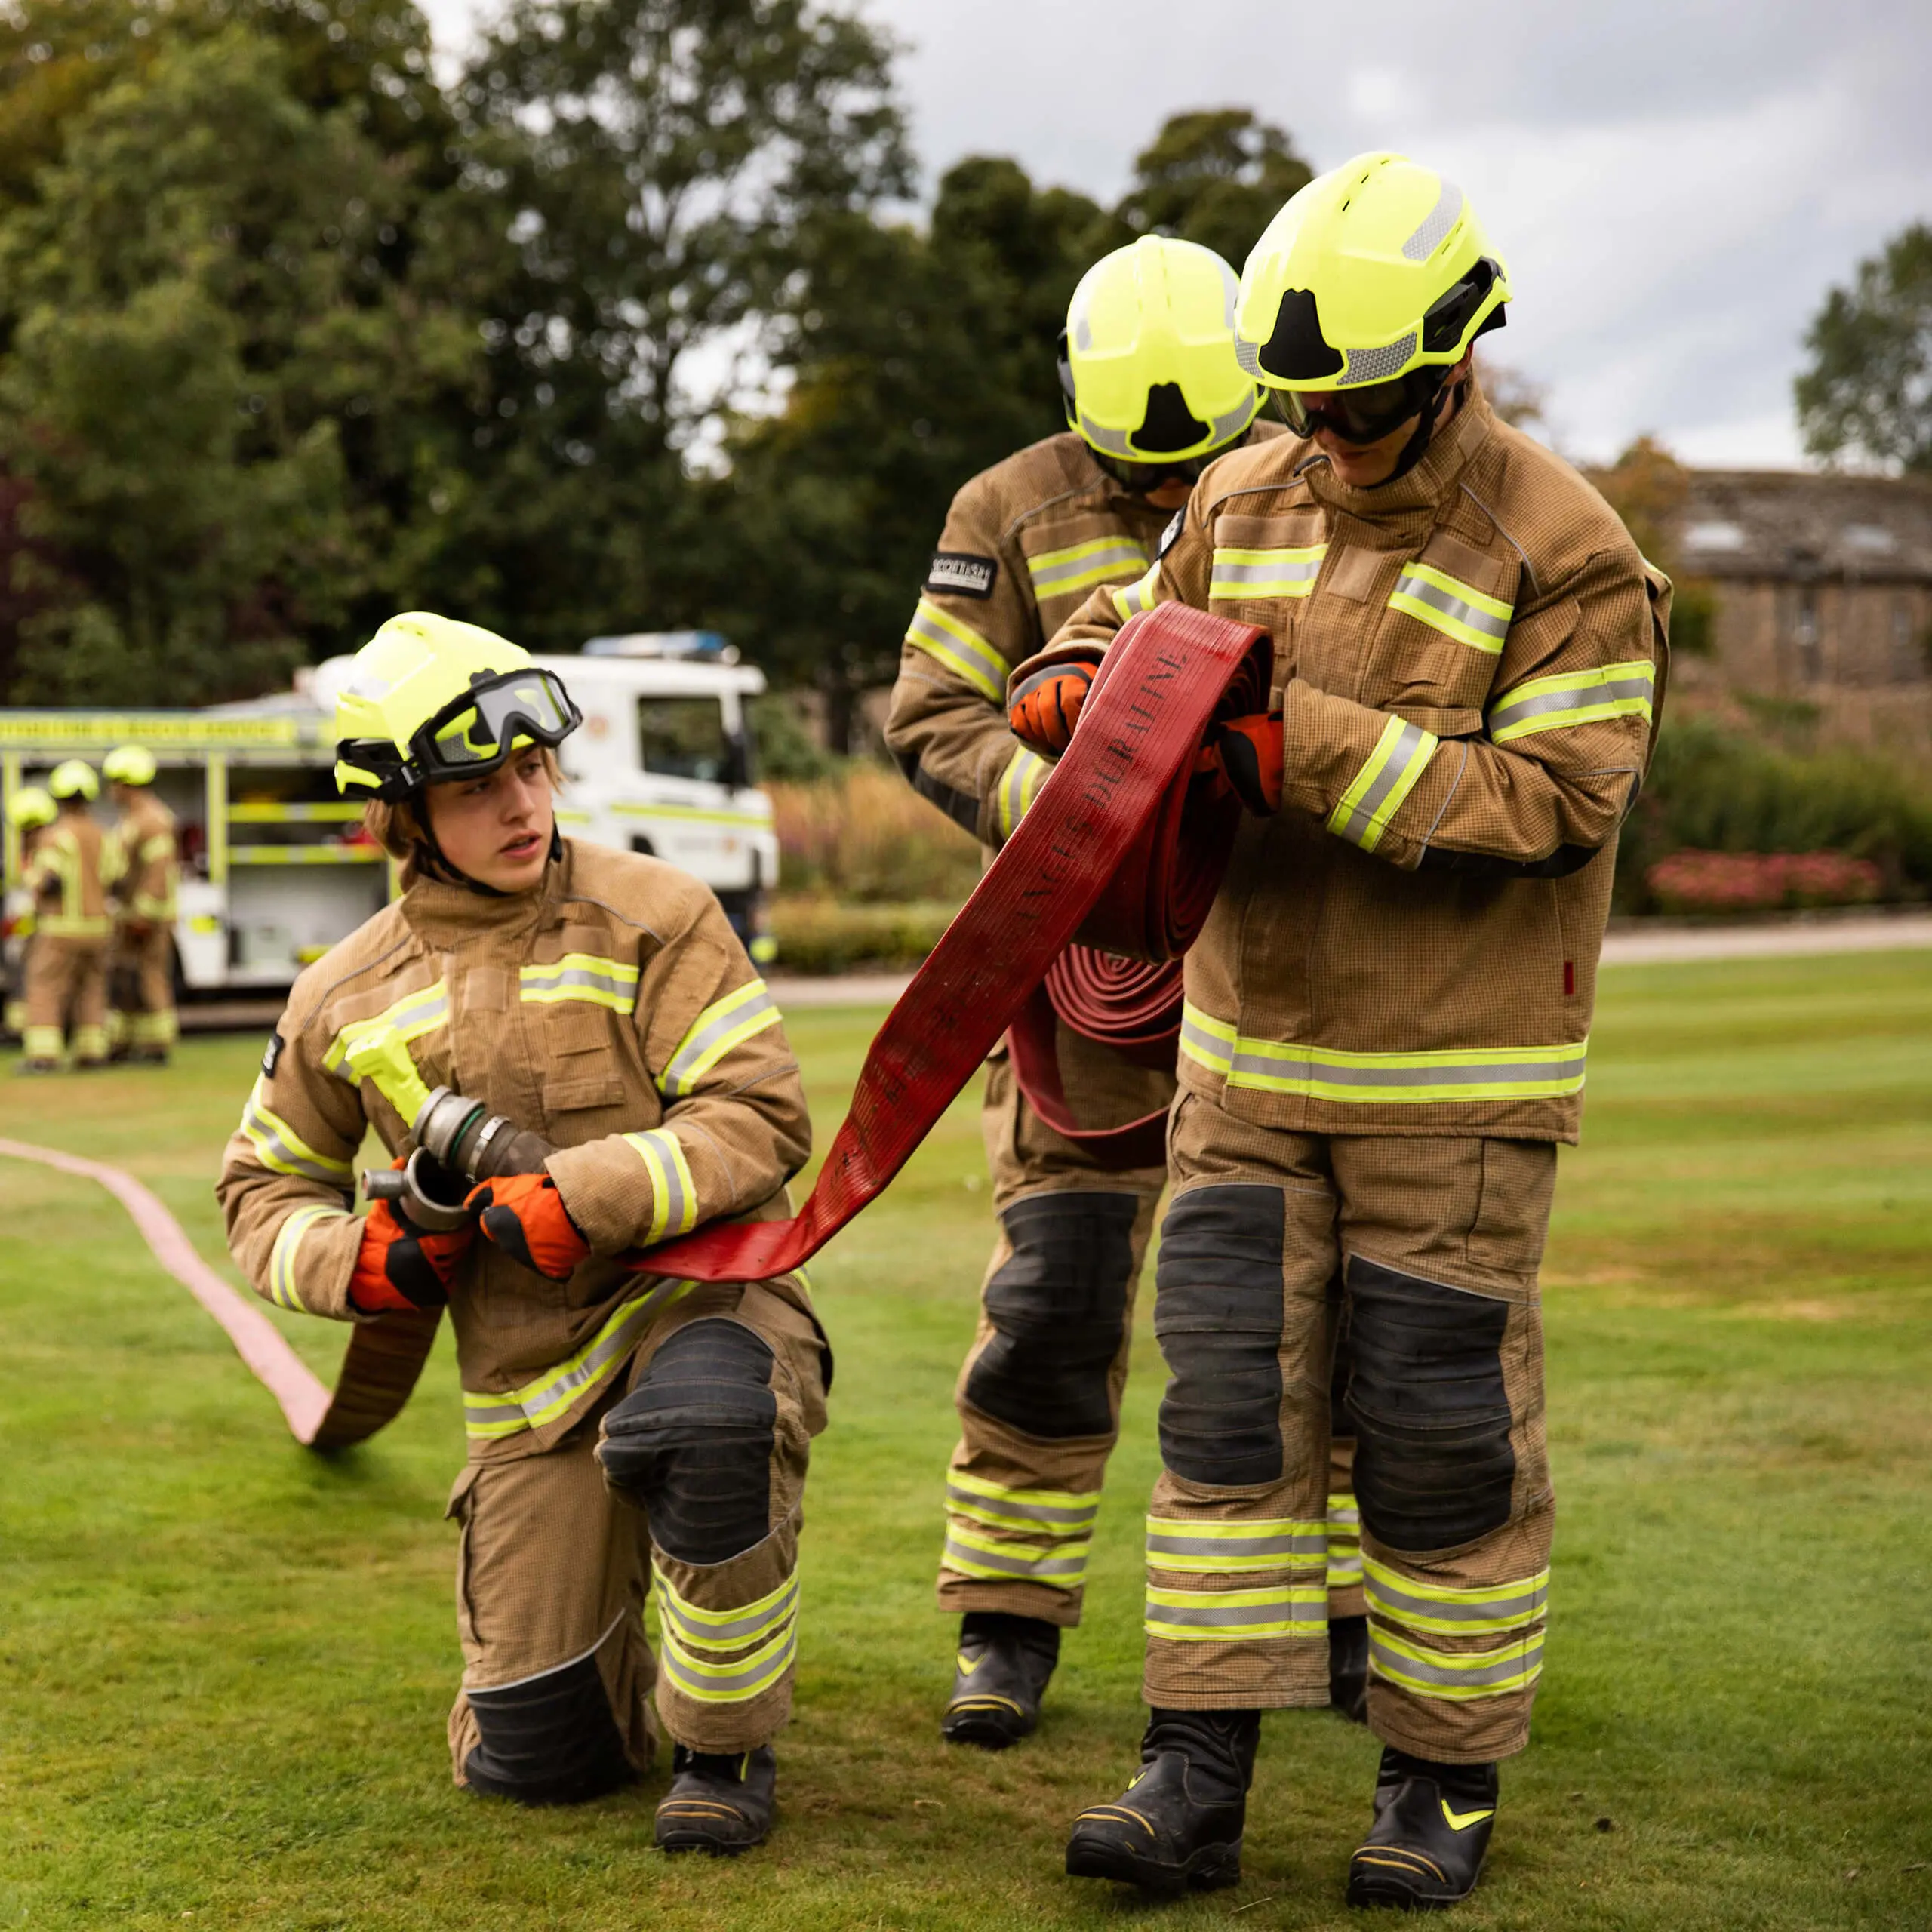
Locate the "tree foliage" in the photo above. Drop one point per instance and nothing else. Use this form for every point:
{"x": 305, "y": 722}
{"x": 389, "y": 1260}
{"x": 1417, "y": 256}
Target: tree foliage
{"x": 1867, "y": 395}
{"x": 1216, "y": 177}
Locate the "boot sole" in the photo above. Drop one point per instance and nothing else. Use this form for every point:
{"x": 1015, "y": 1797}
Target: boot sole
{"x": 1387, "y": 1890}
{"x": 1210, "y": 1869}
{"x": 988, "y": 1727}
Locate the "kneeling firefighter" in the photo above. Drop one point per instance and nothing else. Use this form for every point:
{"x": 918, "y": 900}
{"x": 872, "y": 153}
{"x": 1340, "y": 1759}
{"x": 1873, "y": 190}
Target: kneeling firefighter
{"x": 571, "y": 1048}
{"x": 1384, "y": 1038}
{"x": 1153, "y": 394}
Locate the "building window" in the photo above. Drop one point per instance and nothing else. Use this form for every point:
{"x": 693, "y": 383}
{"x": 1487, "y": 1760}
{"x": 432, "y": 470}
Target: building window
{"x": 1805, "y": 636}
{"x": 1909, "y": 664}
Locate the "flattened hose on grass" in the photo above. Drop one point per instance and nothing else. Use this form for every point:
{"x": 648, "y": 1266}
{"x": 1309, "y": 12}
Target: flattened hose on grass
{"x": 385, "y": 1356}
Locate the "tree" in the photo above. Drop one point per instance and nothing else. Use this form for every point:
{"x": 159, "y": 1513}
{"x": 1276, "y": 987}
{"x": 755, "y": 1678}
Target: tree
{"x": 212, "y": 380}
{"x": 918, "y": 360}
{"x": 1649, "y": 489}
{"x": 1867, "y": 395}
{"x": 1216, "y": 176}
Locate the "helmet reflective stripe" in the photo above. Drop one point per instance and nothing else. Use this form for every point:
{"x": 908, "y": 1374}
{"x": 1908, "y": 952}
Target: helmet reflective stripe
{"x": 1377, "y": 268}
{"x": 1150, "y": 359}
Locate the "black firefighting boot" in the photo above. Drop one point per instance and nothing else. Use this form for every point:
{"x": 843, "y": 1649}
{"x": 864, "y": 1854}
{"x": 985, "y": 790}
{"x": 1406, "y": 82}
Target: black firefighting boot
{"x": 1348, "y": 1667}
{"x": 720, "y": 1805}
{"x": 1431, "y": 1827}
{"x": 999, "y": 1677}
{"x": 1178, "y": 1821}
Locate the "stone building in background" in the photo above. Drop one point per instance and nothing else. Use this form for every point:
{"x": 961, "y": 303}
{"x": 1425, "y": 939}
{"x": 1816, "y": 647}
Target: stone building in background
{"x": 1820, "y": 604}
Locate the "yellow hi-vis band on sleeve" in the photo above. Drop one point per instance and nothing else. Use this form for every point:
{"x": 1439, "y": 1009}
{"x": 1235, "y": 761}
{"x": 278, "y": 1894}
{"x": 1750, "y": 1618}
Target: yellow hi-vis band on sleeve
{"x": 1019, "y": 785}
{"x": 1193, "y": 1548}
{"x": 673, "y": 1193}
{"x": 1331, "y": 1073}
{"x": 1224, "y": 1616}
{"x": 724, "y": 1024}
{"x": 1456, "y": 609}
{"x": 1388, "y": 776}
{"x": 1574, "y": 698}
{"x": 282, "y": 1259}
{"x": 1141, "y": 595}
{"x": 960, "y": 649}
{"x": 545, "y": 1397}
{"x": 580, "y": 976}
{"x": 1288, "y": 572}
{"x": 279, "y": 1146}
{"x": 1082, "y": 566}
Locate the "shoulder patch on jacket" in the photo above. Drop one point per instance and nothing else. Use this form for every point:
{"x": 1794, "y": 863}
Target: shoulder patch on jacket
{"x": 958, "y": 574}
{"x": 272, "y": 1057}
{"x": 1170, "y": 536}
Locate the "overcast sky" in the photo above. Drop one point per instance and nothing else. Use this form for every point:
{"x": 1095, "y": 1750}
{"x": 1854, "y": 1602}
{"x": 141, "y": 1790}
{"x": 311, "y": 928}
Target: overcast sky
{"x": 1674, "y": 183}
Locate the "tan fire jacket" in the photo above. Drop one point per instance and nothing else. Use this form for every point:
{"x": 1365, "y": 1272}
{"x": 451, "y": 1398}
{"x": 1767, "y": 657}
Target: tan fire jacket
{"x": 1469, "y": 662}
{"x": 612, "y": 1011}
{"x": 74, "y": 864}
{"x": 149, "y": 869}
{"x": 1024, "y": 543}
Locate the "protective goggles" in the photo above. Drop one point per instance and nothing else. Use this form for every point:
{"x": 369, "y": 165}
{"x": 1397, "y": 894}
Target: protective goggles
{"x": 472, "y": 735}
{"x": 1365, "y": 415}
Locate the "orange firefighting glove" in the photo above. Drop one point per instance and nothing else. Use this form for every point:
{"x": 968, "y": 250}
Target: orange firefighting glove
{"x": 1249, "y": 751}
{"x": 400, "y": 1266}
{"x": 1045, "y": 709}
{"x": 524, "y": 1215}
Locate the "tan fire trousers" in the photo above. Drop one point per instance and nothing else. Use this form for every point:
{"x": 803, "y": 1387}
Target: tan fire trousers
{"x": 67, "y": 985}
{"x": 554, "y": 1567}
{"x": 1038, "y": 1394}
{"x": 1436, "y": 1242}
{"x": 141, "y": 979}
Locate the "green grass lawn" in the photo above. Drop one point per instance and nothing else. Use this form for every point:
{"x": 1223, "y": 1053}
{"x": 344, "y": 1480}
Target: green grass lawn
{"x": 226, "y": 1661}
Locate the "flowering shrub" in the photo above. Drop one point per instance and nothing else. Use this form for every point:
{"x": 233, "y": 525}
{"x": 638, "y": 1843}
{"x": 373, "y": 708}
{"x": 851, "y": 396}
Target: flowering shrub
{"x": 1695, "y": 882}
{"x": 865, "y": 834}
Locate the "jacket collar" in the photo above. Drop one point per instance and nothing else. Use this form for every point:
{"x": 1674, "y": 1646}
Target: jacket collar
{"x": 444, "y": 917}
{"x": 1427, "y": 486}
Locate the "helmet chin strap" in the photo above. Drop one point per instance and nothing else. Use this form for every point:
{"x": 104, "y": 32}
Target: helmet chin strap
{"x": 1417, "y": 447}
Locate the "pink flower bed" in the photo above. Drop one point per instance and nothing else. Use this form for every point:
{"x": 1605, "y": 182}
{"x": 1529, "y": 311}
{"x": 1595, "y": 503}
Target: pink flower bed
{"x": 1691, "y": 881}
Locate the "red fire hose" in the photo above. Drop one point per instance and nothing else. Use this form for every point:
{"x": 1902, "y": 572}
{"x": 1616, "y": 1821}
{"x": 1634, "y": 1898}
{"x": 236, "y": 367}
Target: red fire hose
{"x": 1120, "y": 849}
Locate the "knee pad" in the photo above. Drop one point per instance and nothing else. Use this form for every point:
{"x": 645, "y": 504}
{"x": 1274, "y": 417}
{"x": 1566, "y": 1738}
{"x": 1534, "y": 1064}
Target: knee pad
{"x": 1058, "y": 1305}
{"x": 550, "y": 1740}
{"x": 1217, "y": 1315}
{"x": 1434, "y": 1466}
{"x": 692, "y": 1442}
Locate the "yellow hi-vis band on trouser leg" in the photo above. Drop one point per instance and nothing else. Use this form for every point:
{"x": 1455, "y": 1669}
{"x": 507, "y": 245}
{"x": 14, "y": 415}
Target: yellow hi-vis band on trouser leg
{"x": 996, "y": 1533}
{"x": 1406, "y": 1614}
{"x": 727, "y": 1655}
{"x": 1189, "y": 1547}
{"x": 42, "y": 1042}
{"x": 90, "y": 1042}
{"x": 1344, "y": 1542}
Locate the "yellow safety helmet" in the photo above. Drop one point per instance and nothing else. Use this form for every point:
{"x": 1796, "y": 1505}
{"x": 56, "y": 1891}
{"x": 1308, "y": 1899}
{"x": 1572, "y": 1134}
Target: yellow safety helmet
{"x": 431, "y": 699}
{"x": 129, "y": 764}
{"x": 1147, "y": 365}
{"x": 31, "y": 806}
{"x": 74, "y": 779}
{"x": 1365, "y": 289}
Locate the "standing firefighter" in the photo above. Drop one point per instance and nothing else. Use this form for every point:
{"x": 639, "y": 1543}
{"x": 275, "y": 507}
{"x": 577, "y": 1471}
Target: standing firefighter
{"x": 72, "y": 867}
{"x": 571, "y": 1046}
{"x": 142, "y": 974}
{"x": 1153, "y": 393}
{"x": 1385, "y": 1033}
{"x": 29, "y": 811}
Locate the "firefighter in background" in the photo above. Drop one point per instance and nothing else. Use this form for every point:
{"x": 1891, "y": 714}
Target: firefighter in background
{"x": 628, "y": 1079}
{"x": 1385, "y": 1036}
{"x": 74, "y": 865}
{"x": 141, "y": 968}
{"x": 1153, "y": 394}
{"x": 28, "y": 810}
